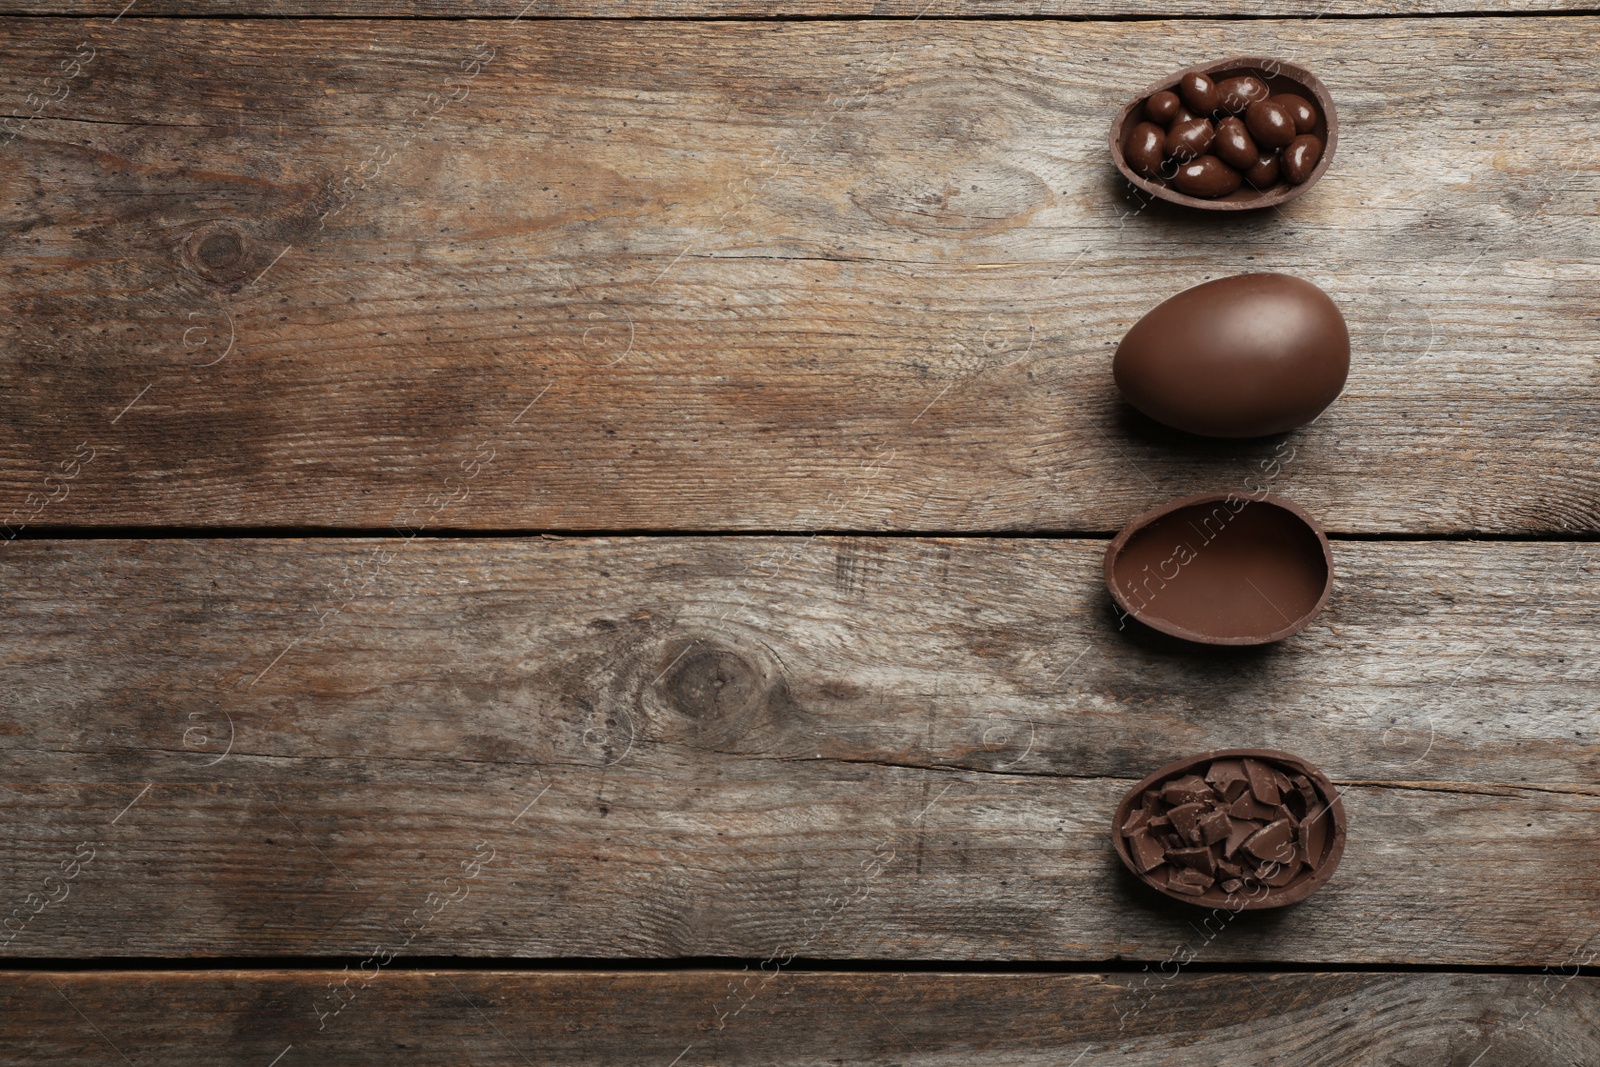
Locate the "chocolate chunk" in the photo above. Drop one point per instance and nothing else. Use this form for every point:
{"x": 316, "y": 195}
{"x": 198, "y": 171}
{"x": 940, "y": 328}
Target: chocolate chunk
{"x": 1232, "y": 885}
{"x": 1272, "y": 842}
{"x": 1262, "y": 782}
{"x": 1227, "y": 777}
{"x": 1214, "y": 826}
{"x": 1282, "y": 812}
{"x": 1147, "y": 852}
{"x": 1246, "y": 807}
{"x": 1186, "y": 818}
{"x": 1198, "y": 859}
{"x": 1137, "y": 820}
{"x": 1313, "y": 836}
{"x": 1228, "y": 868}
{"x": 1151, "y": 802}
{"x": 1186, "y": 790}
{"x": 1189, "y": 881}
{"x": 1239, "y": 832}
{"x": 1159, "y": 822}
{"x": 1283, "y": 875}
{"x": 1302, "y": 785}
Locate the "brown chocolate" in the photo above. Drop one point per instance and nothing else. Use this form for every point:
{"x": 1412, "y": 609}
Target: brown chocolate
{"x": 1304, "y": 115}
{"x": 1257, "y": 864}
{"x": 1233, "y": 144}
{"x": 1162, "y": 106}
{"x": 1264, "y": 173}
{"x": 1206, "y": 176}
{"x": 1263, "y": 786}
{"x": 1146, "y": 148}
{"x": 1248, "y": 807}
{"x": 1199, "y": 92}
{"x": 1243, "y": 356}
{"x": 1300, "y": 158}
{"x": 1289, "y": 100}
{"x": 1189, "y": 138}
{"x": 1229, "y": 778}
{"x": 1221, "y": 569}
{"x": 1239, "y": 93}
{"x": 1270, "y": 123}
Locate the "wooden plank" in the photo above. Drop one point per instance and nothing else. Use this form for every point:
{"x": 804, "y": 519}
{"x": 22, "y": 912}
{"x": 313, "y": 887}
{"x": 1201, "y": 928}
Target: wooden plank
{"x": 881, "y": 748}
{"x": 714, "y": 1017}
{"x": 836, "y": 276}
{"x": 667, "y": 9}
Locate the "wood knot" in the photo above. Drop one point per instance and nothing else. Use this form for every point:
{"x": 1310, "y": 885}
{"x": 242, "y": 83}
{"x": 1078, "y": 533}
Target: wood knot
{"x": 712, "y": 683}
{"x": 219, "y": 253}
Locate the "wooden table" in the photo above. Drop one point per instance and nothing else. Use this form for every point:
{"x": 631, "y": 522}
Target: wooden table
{"x": 573, "y": 536}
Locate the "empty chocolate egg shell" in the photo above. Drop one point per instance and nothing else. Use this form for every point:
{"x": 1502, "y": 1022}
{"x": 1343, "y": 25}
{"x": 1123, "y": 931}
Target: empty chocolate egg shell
{"x": 1222, "y": 568}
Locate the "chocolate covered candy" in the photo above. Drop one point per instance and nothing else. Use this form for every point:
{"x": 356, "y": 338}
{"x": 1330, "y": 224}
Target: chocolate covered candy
{"x": 1233, "y": 145}
{"x": 1145, "y": 149}
{"x": 1270, "y": 123}
{"x": 1300, "y": 158}
{"x": 1162, "y": 106}
{"x": 1207, "y": 177}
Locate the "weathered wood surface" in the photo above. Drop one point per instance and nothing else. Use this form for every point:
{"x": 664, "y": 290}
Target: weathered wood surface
{"x": 690, "y": 1019}
{"x": 920, "y": 9}
{"x": 856, "y": 275}
{"x": 863, "y": 747}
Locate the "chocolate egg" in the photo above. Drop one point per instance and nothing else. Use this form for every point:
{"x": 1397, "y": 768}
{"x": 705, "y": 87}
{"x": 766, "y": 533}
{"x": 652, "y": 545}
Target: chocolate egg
{"x": 1242, "y": 356}
{"x": 1294, "y": 90}
{"x": 1245, "y": 568}
{"x": 1242, "y": 829}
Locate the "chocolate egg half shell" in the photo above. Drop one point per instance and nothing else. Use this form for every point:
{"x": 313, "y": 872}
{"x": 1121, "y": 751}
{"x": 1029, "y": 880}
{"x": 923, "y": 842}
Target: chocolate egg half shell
{"x": 1222, "y": 568}
{"x": 1242, "y": 828}
{"x": 1242, "y": 356}
{"x": 1286, "y": 83}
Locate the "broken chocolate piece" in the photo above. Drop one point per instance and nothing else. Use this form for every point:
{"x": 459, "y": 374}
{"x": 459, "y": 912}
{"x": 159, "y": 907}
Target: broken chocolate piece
{"x": 1186, "y": 817}
{"x": 1313, "y": 834}
{"x": 1262, "y": 783}
{"x": 1228, "y": 778}
{"x": 1272, "y": 842}
{"x": 1189, "y": 789}
{"x": 1238, "y": 832}
{"x": 1198, "y": 859}
{"x": 1246, "y": 807}
{"x": 1189, "y": 881}
{"x": 1214, "y": 826}
{"x": 1147, "y": 852}
{"x": 1138, "y": 820}
{"x": 1232, "y": 885}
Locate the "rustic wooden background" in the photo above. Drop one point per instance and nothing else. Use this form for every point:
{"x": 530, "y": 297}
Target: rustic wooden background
{"x": 571, "y": 534}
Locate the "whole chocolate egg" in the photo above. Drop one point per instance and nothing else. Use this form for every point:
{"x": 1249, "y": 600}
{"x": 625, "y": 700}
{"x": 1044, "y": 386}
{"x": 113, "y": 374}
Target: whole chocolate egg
{"x": 1243, "y": 356}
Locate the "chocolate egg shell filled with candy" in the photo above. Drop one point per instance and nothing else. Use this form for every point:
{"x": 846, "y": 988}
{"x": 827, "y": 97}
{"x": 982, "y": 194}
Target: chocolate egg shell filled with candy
{"x": 1242, "y": 829}
{"x": 1290, "y": 103}
{"x": 1245, "y": 568}
{"x": 1243, "y": 356}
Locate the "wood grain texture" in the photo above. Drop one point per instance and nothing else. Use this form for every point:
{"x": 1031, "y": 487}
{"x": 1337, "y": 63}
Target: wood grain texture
{"x": 881, "y": 748}
{"x": 918, "y": 9}
{"x": 784, "y": 276}
{"x": 662, "y": 1018}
